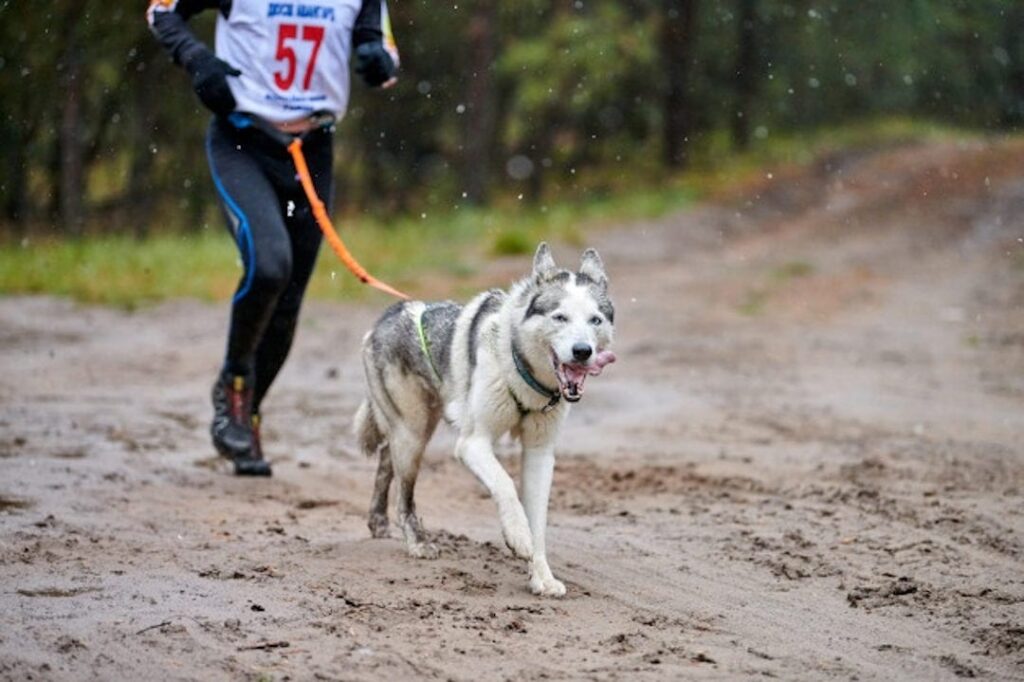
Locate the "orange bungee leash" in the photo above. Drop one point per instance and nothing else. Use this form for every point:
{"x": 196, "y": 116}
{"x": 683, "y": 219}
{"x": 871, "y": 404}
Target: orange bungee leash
{"x": 294, "y": 147}
{"x": 324, "y": 221}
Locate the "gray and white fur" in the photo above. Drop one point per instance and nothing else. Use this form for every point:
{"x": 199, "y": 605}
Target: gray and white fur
{"x": 557, "y": 325}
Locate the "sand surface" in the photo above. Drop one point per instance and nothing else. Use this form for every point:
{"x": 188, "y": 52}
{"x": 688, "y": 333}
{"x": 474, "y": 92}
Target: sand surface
{"x": 808, "y": 463}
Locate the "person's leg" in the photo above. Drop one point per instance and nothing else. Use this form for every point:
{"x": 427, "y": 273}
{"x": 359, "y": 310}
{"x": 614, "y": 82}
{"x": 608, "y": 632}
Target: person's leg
{"x": 254, "y": 218}
{"x": 305, "y": 243}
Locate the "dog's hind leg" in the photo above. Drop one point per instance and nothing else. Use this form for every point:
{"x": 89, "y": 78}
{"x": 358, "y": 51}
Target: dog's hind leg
{"x": 378, "y": 518}
{"x": 372, "y": 441}
{"x": 406, "y": 453}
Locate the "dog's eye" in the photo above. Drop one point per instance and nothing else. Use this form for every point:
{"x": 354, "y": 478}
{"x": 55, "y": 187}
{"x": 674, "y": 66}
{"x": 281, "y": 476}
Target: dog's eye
{"x": 559, "y": 317}
{"x": 596, "y": 321}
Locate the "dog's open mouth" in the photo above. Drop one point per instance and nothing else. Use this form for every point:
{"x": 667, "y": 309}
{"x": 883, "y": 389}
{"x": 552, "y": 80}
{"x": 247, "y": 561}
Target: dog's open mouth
{"x": 571, "y": 375}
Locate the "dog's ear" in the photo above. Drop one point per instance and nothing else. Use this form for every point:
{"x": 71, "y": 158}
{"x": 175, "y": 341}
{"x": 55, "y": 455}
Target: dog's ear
{"x": 543, "y": 263}
{"x": 592, "y": 266}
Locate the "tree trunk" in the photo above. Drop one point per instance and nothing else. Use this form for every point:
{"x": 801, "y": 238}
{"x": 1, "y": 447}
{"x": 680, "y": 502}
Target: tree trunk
{"x": 16, "y": 186}
{"x": 72, "y": 151}
{"x": 1013, "y": 112}
{"x": 140, "y": 178}
{"x": 746, "y": 64}
{"x": 481, "y": 110}
{"x": 677, "y": 37}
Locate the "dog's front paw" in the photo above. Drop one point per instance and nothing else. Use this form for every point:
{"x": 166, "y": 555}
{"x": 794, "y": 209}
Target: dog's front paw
{"x": 547, "y": 587}
{"x": 424, "y": 550}
{"x": 518, "y": 538}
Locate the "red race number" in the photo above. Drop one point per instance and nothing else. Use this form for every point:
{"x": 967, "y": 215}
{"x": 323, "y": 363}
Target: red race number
{"x": 286, "y": 34}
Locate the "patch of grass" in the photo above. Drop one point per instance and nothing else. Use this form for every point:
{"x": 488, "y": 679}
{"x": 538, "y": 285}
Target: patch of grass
{"x": 792, "y": 270}
{"x": 756, "y": 298}
{"x": 123, "y": 271}
{"x": 1018, "y": 261}
{"x": 754, "y": 302}
{"x": 717, "y": 168}
{"x": 512, "y": 243}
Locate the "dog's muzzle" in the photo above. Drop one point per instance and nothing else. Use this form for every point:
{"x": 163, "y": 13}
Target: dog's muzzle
{"x": 572, "y": 375}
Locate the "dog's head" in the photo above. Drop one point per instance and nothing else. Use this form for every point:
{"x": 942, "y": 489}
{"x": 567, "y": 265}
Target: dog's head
{"x": 569, "y": 319}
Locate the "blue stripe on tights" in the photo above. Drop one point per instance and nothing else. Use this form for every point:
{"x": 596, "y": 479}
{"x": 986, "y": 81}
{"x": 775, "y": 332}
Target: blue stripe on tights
{"x": 249, "y": 252}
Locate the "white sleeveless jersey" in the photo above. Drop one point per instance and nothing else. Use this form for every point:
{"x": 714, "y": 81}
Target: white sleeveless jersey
{"x": 294, "y": 56}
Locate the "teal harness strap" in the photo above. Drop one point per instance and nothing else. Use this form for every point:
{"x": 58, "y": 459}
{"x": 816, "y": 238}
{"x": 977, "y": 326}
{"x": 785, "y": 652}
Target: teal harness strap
{"x": 425, "y": 344}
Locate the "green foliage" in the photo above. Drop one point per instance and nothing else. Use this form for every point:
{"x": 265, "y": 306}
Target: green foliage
{"x": 570, "y": 88}
{"x": 578, "y": 100}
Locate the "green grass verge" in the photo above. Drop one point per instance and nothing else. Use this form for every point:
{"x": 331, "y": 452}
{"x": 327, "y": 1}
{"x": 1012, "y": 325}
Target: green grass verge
{"x": 122, "y": 271}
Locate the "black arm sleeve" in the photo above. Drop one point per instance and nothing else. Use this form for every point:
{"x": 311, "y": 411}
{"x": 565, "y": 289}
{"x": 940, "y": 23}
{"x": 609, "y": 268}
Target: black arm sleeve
{"x": 168, "y": 20}
{"x": 368, "y": 24}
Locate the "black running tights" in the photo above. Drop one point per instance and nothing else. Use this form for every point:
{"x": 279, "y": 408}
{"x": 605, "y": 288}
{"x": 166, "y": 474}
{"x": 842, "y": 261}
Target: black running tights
{"x": 277, "y": 237}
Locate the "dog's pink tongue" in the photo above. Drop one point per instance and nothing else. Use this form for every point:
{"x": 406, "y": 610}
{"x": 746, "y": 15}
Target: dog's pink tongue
{"x": 574, "y": 374}
{"x": 605, "y": 357}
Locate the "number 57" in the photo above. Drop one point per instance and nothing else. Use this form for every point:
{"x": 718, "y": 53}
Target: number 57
{"x": 285, "y": 53}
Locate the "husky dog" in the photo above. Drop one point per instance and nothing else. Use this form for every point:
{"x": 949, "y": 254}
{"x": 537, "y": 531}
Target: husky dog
{"x": 505, "y": 363}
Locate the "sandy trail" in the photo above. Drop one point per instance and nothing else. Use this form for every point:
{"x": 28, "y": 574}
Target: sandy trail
{"x": 807, "y": 464}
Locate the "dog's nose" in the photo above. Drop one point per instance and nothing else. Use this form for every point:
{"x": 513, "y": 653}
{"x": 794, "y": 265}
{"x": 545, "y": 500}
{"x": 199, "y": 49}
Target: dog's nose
{"x": 581, "y": 351}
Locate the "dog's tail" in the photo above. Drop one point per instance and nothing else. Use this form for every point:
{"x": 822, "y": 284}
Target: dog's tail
{"x": 369, "y": 425}
{"x": 366, "y": 430}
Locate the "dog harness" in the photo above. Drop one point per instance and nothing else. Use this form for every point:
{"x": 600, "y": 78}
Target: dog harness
{"x": 425, "y": 343}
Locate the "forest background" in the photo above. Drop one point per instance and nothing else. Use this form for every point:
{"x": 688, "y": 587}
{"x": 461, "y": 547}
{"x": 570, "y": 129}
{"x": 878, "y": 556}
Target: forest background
{"x": 553, "y": 111}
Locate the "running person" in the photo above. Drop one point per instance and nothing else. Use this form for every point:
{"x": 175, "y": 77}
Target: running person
{"x": 288, "y": 63}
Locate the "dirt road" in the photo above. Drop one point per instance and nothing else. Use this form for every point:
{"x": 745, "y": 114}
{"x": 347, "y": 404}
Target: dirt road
{"x": 807, "y": 464}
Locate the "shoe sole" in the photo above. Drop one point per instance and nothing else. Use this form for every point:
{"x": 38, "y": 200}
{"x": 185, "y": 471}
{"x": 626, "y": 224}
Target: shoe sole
{"x": 245, "y": 466}
{"x": 252, "y": 467}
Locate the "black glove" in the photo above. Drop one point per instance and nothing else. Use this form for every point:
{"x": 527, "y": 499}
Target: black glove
{"x": 374, "y": 64}
{"x": 210, "y": 81}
